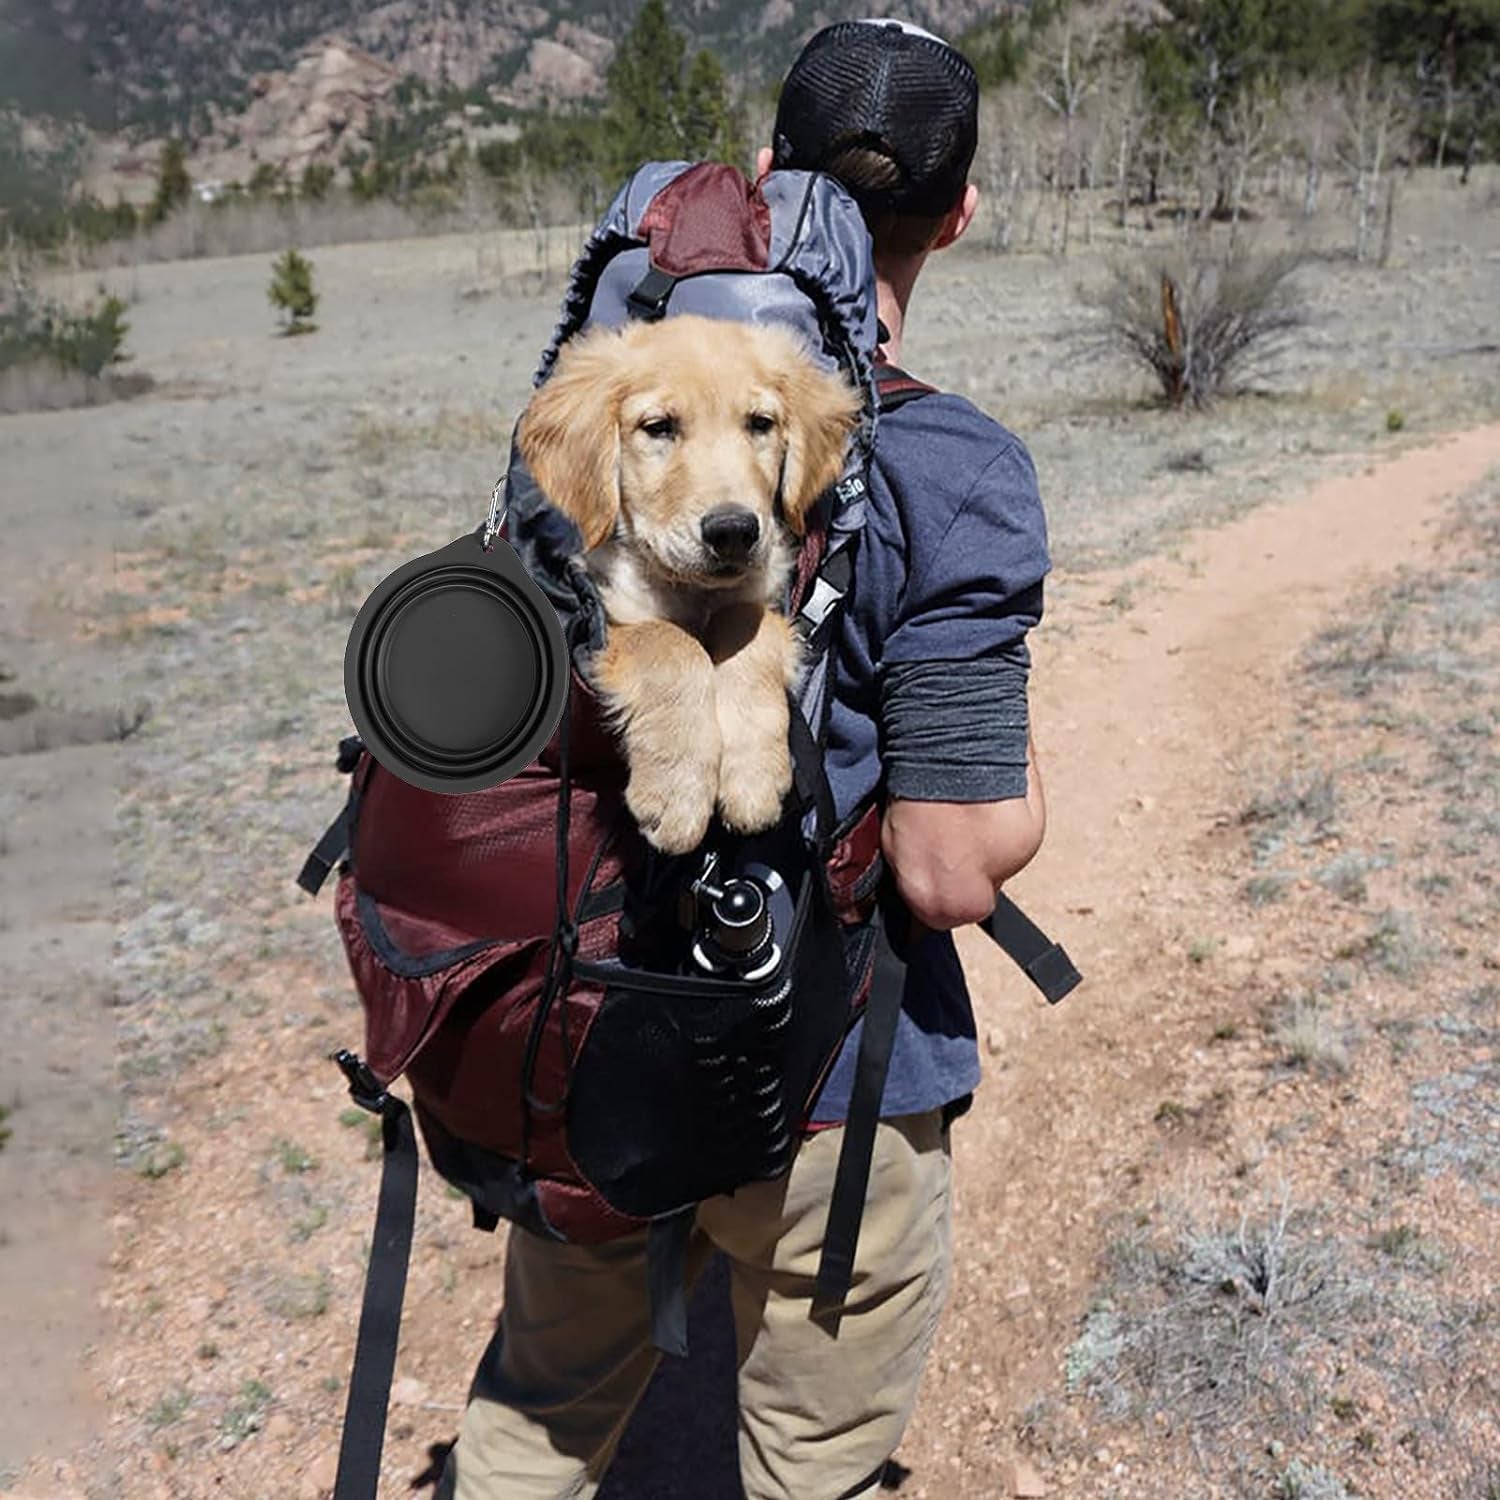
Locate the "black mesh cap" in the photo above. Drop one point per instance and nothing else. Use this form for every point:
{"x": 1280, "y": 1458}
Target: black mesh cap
{"x": 889, "y": 86}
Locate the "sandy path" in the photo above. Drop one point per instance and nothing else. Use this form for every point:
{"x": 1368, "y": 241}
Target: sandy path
{"x": 1145, "y": 721}
{"x": 1153, "y": 708}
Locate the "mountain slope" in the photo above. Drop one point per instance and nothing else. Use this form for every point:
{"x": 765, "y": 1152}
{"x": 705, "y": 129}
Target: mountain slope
{"x": 162, "y": 64}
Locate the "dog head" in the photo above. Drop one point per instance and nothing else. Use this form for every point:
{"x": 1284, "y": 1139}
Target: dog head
{"x": 684, "y": 437}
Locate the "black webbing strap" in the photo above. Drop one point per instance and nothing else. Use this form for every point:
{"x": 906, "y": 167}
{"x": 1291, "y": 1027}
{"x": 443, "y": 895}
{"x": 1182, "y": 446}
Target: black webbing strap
{"x": 1044, "y": 962}
{"x": 866, "y": 1486}
{"x": 809, "y": 775}
{"x": 380, "y": 1314}
{"x": 334, "y": 844}
{"x": 895, "y": 387}
{"x": 666, "y": 1280}
{"x": 1047, "y": 966}
{"x": 852, "y": 1177}
{"x": 331, "y": 848}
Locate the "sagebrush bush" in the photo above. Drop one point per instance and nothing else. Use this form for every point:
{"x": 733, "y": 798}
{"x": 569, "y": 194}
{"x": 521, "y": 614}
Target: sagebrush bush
{"x": 1201, "y": 321}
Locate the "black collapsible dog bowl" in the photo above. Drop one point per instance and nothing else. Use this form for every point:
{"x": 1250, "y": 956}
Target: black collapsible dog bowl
{"x": 456, "y": 668}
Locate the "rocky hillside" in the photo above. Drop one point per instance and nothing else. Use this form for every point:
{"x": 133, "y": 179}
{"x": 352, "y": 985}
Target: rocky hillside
{"x": 178, "y": 64}
{"x": 285, "y": 84}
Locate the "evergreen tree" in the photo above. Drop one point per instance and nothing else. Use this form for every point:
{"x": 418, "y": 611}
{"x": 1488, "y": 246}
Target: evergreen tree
{"x": 998, "y": 47}
{"x": 122, "y": 217}
{"x": 173, "y": 185}
{"x": 661, "y": 108}
{"x": 645, "y": 87}
{"x": 317, "y": 179}
{"x": 266, "y": 181}
{"x": 1208, "y": 51}
{"x": 291, "y": 290}
{"x": 712, "y": 124}
{"x": 1450, "y": 52}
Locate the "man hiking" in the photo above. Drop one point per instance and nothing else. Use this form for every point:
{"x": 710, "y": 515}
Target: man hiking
{"x": 930, "y": 703}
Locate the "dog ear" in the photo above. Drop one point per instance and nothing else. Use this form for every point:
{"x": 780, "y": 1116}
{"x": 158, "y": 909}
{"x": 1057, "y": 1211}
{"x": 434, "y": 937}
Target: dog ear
{"x": 821, "y": 413}
{"x": 570, "y": 433}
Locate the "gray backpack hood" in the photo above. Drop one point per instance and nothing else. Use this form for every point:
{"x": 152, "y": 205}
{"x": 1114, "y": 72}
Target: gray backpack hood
{"x": 797, "y": 253}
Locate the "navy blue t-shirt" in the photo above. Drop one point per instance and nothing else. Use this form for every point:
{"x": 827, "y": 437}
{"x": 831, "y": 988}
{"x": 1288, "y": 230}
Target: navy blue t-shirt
{"x": 949, "y": 568}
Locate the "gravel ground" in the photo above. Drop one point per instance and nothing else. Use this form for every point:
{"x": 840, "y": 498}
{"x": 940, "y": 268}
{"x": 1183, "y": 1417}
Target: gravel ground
{"x": 196, "y": 556}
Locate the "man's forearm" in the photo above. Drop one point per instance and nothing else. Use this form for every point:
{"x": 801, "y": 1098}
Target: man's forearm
{"x": 956, "y": 731}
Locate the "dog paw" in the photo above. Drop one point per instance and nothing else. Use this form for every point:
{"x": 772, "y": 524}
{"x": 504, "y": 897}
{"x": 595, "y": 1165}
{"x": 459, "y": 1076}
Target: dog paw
{"x": 753, "y": 787}
{"x": 673, "y": 812}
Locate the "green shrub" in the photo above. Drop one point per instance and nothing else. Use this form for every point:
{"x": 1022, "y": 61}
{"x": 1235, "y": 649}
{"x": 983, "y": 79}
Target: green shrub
{"x": 317, "y": 179}
{"x": 291, "y": 290}
{"x": 33, "y": 329}
{"x": 267, "y": 181}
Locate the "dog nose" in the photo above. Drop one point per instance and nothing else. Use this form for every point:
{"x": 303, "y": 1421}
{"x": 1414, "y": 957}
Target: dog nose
{"x": 730, "y": 532}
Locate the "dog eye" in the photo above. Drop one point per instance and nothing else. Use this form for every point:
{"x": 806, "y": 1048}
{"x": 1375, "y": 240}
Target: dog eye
{"x": 759, "y": 421}
{"x": 660, "y": 427}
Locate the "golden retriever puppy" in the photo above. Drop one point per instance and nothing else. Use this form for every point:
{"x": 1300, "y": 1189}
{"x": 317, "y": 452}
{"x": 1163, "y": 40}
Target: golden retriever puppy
{"x": 685, "y": 451}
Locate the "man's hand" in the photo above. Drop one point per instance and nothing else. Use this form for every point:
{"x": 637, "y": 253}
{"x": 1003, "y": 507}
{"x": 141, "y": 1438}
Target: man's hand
{"x": 950, "y": 858}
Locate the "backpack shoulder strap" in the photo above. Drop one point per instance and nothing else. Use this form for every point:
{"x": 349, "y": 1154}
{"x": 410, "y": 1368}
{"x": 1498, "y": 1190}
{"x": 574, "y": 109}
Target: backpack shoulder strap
{"x": 824, "y": 579}
{"x": 895, "y": 387}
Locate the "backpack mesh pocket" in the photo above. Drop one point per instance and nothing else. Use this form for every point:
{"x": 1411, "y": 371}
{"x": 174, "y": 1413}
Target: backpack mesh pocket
{"x": 688, "y": 1087}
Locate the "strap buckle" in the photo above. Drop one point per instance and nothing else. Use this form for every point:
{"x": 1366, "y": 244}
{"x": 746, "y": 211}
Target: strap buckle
{"x": 365, "y": 1089}
{"x": 648, "y": 300}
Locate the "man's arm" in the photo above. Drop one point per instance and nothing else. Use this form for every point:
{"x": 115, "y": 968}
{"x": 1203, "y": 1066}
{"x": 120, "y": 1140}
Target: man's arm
{"x": 950, "y": 858}
{"x": 964, "y": 808}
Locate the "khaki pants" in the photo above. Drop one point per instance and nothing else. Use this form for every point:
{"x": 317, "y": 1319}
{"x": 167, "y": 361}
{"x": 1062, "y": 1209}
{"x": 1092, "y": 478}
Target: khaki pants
{"x": 822, "y": 1405}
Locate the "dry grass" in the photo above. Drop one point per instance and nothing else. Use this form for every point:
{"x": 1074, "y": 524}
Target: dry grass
{"x": 1299, "y": 809}
{"x": 1213, "y": 1326}
{"x": 1308, "y": 1036}
{"x": 377, "y": 438}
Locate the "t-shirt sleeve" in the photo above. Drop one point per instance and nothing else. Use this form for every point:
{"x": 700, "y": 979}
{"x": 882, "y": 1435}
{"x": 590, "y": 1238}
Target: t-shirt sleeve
{"x": 974, "y": 580}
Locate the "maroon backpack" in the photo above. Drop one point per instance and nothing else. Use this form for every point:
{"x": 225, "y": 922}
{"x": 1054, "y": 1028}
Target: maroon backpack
{"x": 521, "y": 960}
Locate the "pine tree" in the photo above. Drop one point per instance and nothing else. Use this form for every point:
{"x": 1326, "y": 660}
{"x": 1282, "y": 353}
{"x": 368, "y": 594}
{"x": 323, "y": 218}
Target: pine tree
{"x": 1450, "y": 51}
{"x": 645, "y": 87}
{"x": 712, "y": 125}
{"x": 656, "y": 112}
{"x": 173, "y": 185}
{"x": 292, "y": 291}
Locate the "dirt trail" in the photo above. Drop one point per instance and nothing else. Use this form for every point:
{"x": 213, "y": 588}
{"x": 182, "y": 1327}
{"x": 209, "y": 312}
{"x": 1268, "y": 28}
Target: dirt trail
{"x": 1146, "y": 723}
{"x": 1156, "y": 706}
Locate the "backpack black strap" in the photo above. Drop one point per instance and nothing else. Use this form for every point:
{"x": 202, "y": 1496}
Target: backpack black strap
{"x": 334, "y": 844}
{"x": 895, "y": 387}
{"x": 1045, "y": 963}
{"x": 648, "y": 299}
{"x": 809, "y": 775}
{"x": 331, "y": 848}
{"x": 1048, "y": 967}
{"x": 358, "y": 1472}
{"x": 666, "y": 1277}
{"x": 851, "y": 1179}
